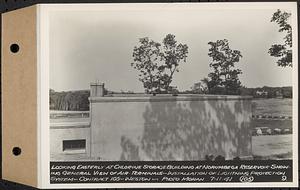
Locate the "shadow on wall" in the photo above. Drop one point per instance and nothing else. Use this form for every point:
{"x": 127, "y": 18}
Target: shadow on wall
{"x": 192, "y": 130}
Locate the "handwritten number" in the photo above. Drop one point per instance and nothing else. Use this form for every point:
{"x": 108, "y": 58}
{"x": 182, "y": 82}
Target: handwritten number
{"x": 283, "y": 178}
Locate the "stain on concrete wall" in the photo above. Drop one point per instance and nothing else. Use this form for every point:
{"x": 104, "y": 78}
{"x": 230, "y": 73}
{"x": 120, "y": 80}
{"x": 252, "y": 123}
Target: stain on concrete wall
{"x": 170, "y": 128}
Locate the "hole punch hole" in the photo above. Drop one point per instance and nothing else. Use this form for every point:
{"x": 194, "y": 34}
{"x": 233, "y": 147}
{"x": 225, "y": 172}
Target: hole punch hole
{"x": 14, "y": 48}
{"x": 16, "y": 151}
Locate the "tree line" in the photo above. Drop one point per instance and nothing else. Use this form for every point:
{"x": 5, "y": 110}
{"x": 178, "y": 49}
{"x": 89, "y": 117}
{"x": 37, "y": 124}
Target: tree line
{"x": 79, "y": 100}
{"x": 69, "y": 100}
{"x": 268, "y": 92}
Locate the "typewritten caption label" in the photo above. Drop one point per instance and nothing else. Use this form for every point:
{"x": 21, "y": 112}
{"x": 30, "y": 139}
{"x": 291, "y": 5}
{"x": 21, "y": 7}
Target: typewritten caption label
{"x": 171, "y": 171}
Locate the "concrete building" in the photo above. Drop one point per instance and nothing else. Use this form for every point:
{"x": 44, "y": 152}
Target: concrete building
{"x": 70, "y": 140}
{"x": 161, "y": 127}
{"x": 261, "y": 93}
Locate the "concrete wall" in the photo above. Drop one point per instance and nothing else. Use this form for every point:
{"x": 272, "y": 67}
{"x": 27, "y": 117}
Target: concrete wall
{"x": 69, "y": 131}
{"x": 185, "y": 127}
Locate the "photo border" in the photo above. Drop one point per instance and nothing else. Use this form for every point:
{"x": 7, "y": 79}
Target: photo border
{"x": 43, "y": 57}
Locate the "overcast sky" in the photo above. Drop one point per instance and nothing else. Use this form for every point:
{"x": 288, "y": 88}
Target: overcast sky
{"x": 89, "y": 46}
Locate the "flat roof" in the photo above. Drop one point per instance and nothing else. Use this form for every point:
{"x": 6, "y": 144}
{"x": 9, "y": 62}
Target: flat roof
{"x": 165, "y": 97}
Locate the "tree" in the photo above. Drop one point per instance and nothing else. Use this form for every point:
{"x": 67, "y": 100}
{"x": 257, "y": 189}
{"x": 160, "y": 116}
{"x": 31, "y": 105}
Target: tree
{"x": 201, "y": 87}
{"x": 283, "y": 51}
{"x": 224, "y": 77}
{"x": 158, "y": 63}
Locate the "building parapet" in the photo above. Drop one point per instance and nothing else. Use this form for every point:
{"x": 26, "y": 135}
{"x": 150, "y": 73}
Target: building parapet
{"x": 68, "y": 125}
{"x": 166, "y": 97}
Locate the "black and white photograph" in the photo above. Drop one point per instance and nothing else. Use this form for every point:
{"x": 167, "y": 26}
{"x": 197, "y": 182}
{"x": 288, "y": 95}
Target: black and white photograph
{"x": 172, "y": 82}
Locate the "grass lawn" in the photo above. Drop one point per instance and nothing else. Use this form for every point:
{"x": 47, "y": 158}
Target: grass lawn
{"x": 275, "y": 107}
{"x": 272, "y": 147}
